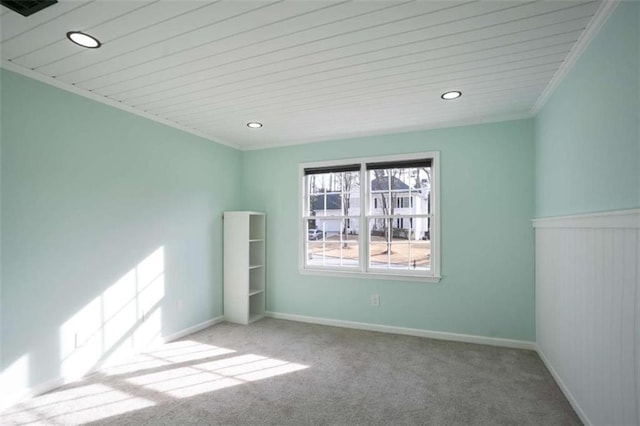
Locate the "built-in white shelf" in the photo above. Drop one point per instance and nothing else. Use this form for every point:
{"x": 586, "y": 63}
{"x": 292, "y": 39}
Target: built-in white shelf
{"x": 255, "y": 317}
{"x": 244, "y": 271}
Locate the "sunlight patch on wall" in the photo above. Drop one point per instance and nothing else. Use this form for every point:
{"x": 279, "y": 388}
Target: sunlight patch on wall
{"x": 14, "y": 378}
{"x": 124, "y": 319}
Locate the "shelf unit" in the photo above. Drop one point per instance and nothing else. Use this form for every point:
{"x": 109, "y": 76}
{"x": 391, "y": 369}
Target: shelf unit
{"x": 244, "y": 266}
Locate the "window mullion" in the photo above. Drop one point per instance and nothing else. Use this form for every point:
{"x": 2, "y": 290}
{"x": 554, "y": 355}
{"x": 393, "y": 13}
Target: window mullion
{"x": 363, "y": 237}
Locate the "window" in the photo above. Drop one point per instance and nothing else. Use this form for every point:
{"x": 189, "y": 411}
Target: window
{"x": 371, "y": 217}
{"x": 403, "y": 202}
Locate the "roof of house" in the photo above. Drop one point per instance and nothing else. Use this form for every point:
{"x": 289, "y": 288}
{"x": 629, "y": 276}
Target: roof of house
{"x": 382, "y": 183}
{"x": 333, "y": 202}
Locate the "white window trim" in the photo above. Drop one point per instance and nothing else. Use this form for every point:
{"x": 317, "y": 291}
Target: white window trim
{"x": 362, "y": 271}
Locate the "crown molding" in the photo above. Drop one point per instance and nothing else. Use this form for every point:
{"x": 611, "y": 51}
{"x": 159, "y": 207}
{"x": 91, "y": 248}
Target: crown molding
{"x": 590, "y": 32}
{"x": 10, "y": 66}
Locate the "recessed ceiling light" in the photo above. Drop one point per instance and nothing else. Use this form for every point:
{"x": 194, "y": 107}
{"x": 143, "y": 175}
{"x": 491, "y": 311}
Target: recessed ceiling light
{"x": 84, "y": 40}
{"x": 254, "y": 124}
{"x": 454, "y": 94}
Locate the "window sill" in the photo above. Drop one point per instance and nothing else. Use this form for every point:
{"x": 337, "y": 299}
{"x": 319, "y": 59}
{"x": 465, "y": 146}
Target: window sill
{"x": 370, "y": 275}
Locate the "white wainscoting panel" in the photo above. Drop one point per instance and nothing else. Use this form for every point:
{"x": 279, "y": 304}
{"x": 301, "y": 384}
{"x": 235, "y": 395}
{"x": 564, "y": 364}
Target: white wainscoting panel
{"x": 588, "y": 312}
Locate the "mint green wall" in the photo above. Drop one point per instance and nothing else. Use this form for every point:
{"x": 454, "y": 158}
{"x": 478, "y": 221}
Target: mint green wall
{"x": 487, "y": 238}
{"x": 587, "y": 135}
{"x": 88, "y": 191}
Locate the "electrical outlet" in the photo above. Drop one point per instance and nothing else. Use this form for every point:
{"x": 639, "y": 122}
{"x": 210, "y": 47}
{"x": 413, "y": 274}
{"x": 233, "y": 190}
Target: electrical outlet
{"x": 375, "y": 300}
{"x": 179, "y": 305}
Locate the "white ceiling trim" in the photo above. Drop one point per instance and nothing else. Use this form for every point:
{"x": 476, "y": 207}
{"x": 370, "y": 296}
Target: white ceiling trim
{"x": 102, "y": 99}
{"x": 591, "y": 31}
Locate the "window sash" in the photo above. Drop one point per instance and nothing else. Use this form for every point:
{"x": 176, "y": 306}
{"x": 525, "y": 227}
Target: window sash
{"x": 364, "y": 215}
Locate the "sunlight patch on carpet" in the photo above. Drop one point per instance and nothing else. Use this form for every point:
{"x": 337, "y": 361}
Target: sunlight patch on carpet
{"x": 186, "y": 381}
{"x": 81, "y": 405}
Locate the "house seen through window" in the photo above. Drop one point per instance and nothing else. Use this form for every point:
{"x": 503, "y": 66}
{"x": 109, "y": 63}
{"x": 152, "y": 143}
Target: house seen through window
{"x": 374, "y": 216}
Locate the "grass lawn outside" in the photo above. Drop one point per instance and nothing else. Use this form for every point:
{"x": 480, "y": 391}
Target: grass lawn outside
{"x": 405, "y": 254}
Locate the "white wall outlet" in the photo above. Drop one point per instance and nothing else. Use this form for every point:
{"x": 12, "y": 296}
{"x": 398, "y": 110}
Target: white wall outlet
{"x": 180, "y": 305}
{"x": 375, "y": 300}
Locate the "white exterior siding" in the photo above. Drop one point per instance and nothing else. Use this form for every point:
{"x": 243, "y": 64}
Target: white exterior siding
{"x": 417, "y": 206}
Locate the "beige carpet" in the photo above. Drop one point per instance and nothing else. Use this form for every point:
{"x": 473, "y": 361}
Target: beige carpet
{"x": 281, "y": 372}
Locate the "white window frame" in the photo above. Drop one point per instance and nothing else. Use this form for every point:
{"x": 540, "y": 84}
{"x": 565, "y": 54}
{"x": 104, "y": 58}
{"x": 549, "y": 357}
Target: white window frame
{"x": 363, "y": 270}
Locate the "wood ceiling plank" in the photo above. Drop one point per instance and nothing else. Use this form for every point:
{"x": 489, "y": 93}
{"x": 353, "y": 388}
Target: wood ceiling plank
{"x": 153, "y": 102}
{"x": 149, "y": 40}
{"x": 301, "y": 84}
{"x": 245, "y": 21}
{"x": 374, "y": 25}
{"x": 405, "y": 11}
{"x": 427, "y": 98}
{"x": 405, "y": 88}
{"x": 147, "y": 14}
{"x": 261, "y": 39}
{"x": 416, "y": 72}
{"x": 55, "y": 30}
{"x": 444, "y": 80}
{"x": 289, "y": 70}
{"x": 423, "y": 95}
{"x": 504, "y": 80}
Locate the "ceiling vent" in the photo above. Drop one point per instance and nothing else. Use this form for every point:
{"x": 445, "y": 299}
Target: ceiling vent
{"x": 27, "y": 7}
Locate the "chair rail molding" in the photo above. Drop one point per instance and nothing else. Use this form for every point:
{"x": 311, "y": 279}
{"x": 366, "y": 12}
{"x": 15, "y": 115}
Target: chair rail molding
{"x": 622, "y": 219}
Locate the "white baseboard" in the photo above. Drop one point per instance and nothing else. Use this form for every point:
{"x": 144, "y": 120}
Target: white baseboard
{"x": 563, "y": 387}
{"x": 456, "y": 337}
{"x": 52, "y": 384}
{"x": 190, "y": 330}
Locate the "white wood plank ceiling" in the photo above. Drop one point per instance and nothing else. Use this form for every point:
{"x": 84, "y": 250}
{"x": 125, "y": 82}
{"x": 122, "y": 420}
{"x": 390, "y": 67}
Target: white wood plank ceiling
{"x": 308, "y": 70}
